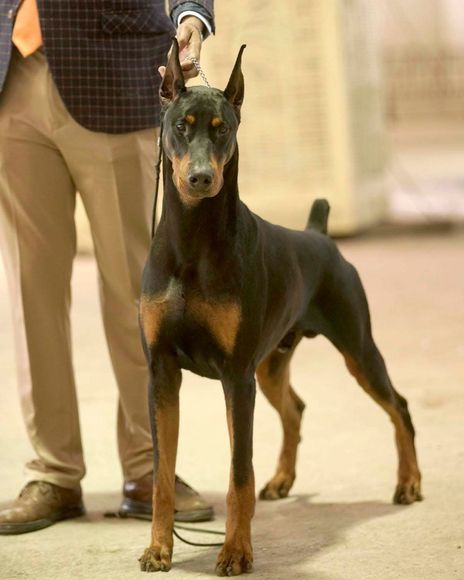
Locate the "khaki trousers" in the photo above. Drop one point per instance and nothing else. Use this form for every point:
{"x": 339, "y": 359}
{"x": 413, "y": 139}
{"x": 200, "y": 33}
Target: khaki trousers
{"x": 45, "y": 157}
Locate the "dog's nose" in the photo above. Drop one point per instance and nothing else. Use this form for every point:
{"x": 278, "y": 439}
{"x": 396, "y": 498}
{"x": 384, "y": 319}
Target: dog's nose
{"x": 200, "y": 179}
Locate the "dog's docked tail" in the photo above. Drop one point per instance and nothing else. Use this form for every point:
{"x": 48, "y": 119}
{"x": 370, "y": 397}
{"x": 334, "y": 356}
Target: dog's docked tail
{"x": 319, "y": 216}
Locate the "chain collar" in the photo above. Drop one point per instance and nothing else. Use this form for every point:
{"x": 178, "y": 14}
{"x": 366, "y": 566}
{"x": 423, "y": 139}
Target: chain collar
{"x": 197, "y": 65}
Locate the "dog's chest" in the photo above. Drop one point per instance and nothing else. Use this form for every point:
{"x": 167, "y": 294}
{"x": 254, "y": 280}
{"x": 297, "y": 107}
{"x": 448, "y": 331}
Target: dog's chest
{"x": 184, "y": 314}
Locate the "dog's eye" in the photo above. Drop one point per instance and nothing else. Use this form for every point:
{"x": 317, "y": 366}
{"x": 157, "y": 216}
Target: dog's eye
{"x": 223, "y": 129}
{"x": 180, "y": 127}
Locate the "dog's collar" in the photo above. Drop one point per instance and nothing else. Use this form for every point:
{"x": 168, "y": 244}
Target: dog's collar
{"x": 200, "y": 71}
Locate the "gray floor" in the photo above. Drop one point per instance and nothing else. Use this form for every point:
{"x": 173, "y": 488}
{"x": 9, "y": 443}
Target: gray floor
{"x": 339, "y": 523}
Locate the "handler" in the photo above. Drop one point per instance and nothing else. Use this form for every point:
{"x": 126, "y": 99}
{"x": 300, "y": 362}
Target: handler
{"x": 79, "y": 111}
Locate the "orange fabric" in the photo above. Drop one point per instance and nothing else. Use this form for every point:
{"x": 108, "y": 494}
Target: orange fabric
{"x": 27, "y": 35}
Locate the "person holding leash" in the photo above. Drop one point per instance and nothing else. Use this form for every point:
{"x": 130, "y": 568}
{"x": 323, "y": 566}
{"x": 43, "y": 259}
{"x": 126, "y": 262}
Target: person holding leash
{"x": 79, "y": 111}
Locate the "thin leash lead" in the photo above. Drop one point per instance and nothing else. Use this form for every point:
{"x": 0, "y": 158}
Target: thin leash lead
{"x": 158, "y": 176}
{"x": 202, "y": 75}
{"x": 123, "y": 516}
{"x": 200, "y": 531}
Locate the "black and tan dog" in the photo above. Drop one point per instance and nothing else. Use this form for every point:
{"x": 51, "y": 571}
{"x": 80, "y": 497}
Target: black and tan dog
{"x": 229, "y": 296}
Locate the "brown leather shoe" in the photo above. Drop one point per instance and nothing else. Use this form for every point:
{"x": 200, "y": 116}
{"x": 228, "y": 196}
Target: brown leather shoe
{"x": 189, "y": 506}
{"x": 39, "y": 505}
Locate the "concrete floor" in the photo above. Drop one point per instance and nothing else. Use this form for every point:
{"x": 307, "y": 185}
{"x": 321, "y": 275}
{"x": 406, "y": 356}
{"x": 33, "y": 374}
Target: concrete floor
{"x": 339, "y": 523}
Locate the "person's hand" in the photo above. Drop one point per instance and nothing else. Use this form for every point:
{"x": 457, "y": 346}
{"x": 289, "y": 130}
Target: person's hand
{"x": 189, "y": 38}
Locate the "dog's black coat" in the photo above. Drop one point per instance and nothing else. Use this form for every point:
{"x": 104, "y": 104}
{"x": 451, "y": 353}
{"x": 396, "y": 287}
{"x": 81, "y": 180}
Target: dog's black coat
{"x": 213, "y": 260}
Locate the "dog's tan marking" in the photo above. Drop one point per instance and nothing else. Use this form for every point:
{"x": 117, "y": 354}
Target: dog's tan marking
{"x": 167, "y": 427}
{"x": 158, "y": 555}
{"x": 216, "y": 121}
{"x": 237, "y": 552}
{"x": 408, "y": 470}
{"x": 190, "y": 119}
{"x": 221, "y": 319}
{"x": 180, "y": 169}
{"x": 180, "y": 166}
{"x": 153, "y": 309}
{"x": 152, "y": 313}
{"x": 273, "y": 375}
{"x": 218, "y": 174}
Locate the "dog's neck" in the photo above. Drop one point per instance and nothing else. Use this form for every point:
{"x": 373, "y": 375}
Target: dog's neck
{"x": 209, "y": 228}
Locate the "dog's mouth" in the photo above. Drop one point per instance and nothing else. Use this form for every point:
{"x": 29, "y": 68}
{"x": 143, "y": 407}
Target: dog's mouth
{"x": 192, "y": 195}
{"x": 195, "y": 186}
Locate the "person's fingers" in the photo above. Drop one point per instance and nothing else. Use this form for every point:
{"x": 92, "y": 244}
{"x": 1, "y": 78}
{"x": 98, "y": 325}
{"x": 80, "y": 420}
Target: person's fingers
{"x": 188, "y": 27}
{"x": 192, "y": 50}
{"x": 186, "y": 64}
{"x": 189, "y": 39}
{"x": 188, "y": 69}
{"x": 193, "y": 47}
{"x": 190, "y": 74}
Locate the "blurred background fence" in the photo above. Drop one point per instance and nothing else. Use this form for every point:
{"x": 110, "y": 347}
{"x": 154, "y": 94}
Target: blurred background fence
{"x": 359, "y": 101}
{"x": 424, "y": 84}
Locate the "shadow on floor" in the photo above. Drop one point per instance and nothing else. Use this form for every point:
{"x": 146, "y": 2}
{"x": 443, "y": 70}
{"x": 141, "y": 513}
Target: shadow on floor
{"x": 288, "y": 535}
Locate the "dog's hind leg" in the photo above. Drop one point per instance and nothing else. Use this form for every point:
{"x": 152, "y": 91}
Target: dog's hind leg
{"x": 350, "y": 331}
{"x": 371, "y": 374}
{"x": 273, "y": 376}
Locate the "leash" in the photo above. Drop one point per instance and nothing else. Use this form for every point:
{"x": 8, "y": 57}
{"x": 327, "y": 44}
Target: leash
{"x": 199, "y": 530}
{"x": 200, "y": 71}
{"x": 157, "y": 183}
{"x": 202, "y": 75}
{"x": 123, "y": 516}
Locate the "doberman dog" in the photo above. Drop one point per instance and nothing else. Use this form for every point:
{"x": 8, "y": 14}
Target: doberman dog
{"x": 229, "y": 296}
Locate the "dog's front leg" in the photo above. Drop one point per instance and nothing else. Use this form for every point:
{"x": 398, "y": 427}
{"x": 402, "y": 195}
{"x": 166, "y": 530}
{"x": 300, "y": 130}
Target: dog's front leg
{"x": 165, "y": 380}
{"x": 236, "y": 556}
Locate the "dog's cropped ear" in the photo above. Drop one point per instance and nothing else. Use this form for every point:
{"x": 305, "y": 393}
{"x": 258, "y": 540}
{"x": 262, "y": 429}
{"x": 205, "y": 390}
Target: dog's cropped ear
{"x": 173, "y": 81}
{"x": 235, "y": 90}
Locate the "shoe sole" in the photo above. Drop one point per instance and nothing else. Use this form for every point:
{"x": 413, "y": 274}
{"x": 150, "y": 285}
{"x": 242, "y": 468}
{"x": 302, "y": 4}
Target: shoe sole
{"x": 11, "y": 529}
{"x": 131, "y": 508}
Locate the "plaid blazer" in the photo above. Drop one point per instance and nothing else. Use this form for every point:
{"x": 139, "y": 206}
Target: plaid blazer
{"x": 103, "y": 56}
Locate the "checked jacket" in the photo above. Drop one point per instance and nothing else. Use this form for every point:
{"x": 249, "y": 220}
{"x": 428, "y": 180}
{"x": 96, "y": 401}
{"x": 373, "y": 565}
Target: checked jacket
{"x": 103, "y": 56}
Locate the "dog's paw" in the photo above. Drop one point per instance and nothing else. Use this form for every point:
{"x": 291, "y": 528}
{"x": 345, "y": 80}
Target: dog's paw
{"x": 278, "y": 487}
{"x": 408, "y": 492}
{"x": 156, "y": 558}
{"x": 234, "y": 559}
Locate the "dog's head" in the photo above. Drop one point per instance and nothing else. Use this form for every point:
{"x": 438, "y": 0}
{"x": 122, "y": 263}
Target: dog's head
{"x": 199, "y": 129}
